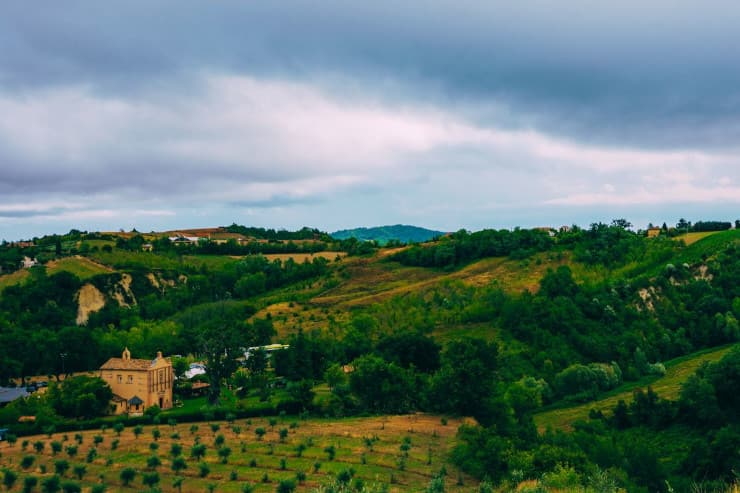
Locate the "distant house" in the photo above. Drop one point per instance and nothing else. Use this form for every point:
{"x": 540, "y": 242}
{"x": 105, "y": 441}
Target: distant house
{"x": 194, "y": 370}
{"x": 546, "y": 229}
{"x": 221, "y": 237}
{"x": 9, "y": 394}
{"x": 179, "y": 239}
{"x": 28, "y": 262}
{"x": 147, "y": 247}
{"x": 138, "y": 383}
{"x": 267, "y": 349}
{"x": 653, "y": 232}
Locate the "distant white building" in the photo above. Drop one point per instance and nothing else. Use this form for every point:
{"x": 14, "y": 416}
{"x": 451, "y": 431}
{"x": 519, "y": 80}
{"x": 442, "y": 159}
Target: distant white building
{"x": 182, "y": 239}
{"x": 28, "y": 262}
{"x": 195, "y": 370}
{"x": 268, "y": 349}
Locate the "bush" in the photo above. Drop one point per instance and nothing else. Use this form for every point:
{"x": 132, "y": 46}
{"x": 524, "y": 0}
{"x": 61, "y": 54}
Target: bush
{"x": 9, "y": 478}
{"x": 51, "y": 484}
{"x": 27, "y": 461}
{"x": 127, "y": 475}
{"x": 29, "y": 483}
{"x": 286, "y": 486}
{"x": 71, "y": 487}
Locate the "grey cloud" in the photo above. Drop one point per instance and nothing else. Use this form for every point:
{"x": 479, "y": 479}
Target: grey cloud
{"x": 657, "y": 75}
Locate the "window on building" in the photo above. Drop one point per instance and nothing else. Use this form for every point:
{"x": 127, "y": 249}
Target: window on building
{"x": 130, "y": 379}
{"x": 120, "y": 378}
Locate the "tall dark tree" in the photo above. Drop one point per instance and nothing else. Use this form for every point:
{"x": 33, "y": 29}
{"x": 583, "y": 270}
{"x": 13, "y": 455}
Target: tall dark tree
{"x": 220, "y": 342}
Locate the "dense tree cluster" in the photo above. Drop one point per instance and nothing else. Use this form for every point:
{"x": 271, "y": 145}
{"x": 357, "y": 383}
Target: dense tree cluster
{"x": 463, "y": 247}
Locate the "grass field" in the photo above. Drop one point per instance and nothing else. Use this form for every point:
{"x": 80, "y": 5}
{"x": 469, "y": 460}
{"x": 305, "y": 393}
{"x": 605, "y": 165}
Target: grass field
{"x": 691, "y": 238}
{"x": 13, "y": 278}
{"x": 668, "y": 387}
{"x": 82, "y": 267}
{"x": 372, "y": 447}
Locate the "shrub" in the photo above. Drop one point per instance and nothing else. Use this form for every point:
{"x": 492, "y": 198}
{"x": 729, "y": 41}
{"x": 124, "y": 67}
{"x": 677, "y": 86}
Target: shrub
{"x": 9, "y": 478}
{"x": 178, "y": 464}
{"x": 127, "y": 475}
{"x": 51, "y": 484}
{"x": 175, "y": 450}
{"x": 224, "y": 453}
{"x": 71, "y": 487}
{"x": 153, "y": 462}
{"x": 286, "y": 486}
{"x": 203, "y": 470}
{"x": 331, "y": 452}
{"x": 27, "y": 461}
{"x": 29, "y": 483}
{"x": 71, "y": 450}
{"x": 198, "y": 451}
{"x": 150, "y": 479}
{"x": 79, "y": 471}
{"x": 260, "y": 432}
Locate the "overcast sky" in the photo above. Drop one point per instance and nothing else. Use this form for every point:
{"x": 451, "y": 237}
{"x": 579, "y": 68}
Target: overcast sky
{"x": 466, "y": 114}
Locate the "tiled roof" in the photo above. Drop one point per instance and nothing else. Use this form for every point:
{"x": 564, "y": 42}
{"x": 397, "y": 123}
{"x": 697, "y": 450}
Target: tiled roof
{"x": 8, "y": 394}
{"x": 126, "y": 364}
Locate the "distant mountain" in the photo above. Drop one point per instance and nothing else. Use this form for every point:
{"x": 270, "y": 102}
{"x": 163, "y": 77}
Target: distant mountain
{"x": 383, "y": 234}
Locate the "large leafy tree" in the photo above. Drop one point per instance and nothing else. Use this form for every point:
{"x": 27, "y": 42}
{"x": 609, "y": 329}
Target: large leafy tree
{"x": 466, "y": 382}
{"x": 222, "y": 334}
{"x": 80, "y": 397}
{"x": 381, "y": 386}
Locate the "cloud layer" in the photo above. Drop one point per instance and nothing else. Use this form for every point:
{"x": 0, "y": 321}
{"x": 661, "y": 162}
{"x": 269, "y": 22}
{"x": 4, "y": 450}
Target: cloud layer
{"x": 156, "y": 114}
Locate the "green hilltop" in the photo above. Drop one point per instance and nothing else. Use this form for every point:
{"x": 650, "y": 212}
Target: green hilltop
{"x": 384, "y": 234}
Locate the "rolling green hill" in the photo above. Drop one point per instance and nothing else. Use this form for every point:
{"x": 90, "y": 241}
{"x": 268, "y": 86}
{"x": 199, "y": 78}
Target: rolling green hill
{"x": 383, "y": 234}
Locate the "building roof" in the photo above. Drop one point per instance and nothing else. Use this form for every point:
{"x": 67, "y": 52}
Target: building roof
{"x": 125, "y": 362}
{"x": 9, "y": 394}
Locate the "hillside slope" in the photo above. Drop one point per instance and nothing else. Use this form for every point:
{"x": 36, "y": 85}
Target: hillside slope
{"x": 667, "y": 387}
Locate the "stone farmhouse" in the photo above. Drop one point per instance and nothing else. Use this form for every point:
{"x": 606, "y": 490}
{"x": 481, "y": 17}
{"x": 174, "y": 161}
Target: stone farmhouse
{"x": 138, "y": 383}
